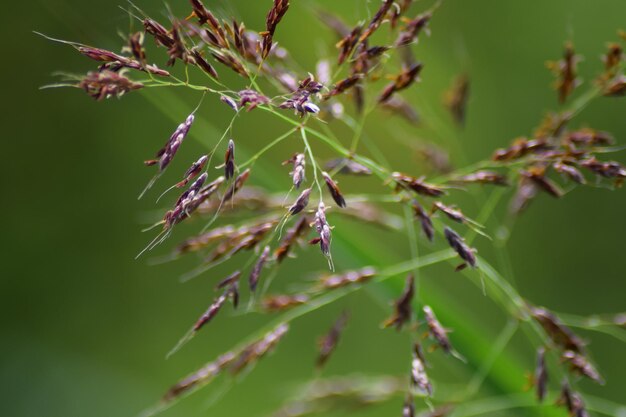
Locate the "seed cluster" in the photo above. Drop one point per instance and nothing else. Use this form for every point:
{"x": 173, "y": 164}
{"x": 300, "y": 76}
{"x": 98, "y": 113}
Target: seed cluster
{"x": 274, "y": 227}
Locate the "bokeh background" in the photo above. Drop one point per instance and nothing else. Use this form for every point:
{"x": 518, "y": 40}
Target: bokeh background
{"x": 85, "y": 327}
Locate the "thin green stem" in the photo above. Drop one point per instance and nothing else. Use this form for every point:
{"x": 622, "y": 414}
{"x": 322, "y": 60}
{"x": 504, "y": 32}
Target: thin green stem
{"x": 313, "y": 161}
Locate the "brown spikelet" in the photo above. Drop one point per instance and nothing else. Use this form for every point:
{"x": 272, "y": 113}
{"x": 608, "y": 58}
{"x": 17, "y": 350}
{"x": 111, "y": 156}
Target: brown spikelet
{"x": 169, "y": 150}
{"x": 211, "y": 312}
{"x": 246, "y": 237}
{"x": 589, "y": 137}
{"x": 420, "y": 383}
{"x": 347, "y": 43}
{"x": 376, "y": 20}
{"x": 520, "y": 148}
{"x": 290, "y": 238}
{"x": 161, "y": 35}
{"x": 484, "y": 177}
{"x": 580, "y": 364}
{"x": 452, "y": 213}
{"x": 328, "y": 343}
{"x": 565, "y": 70}
{"x": 197, "y": 243}
{"x": 229, "y": 160}
{"x": 348, "y": 166}
{"x": 237, "y": 184}
{"x": 135, "y": 45}
{"x": 402, "y": 306}
{"x": 343, "y": 85}
{"x": 572, "y": 401}
{"x": 229, "y": 60}
{"x": 298, "y": 173}
{"x": 231, "y": 284}
{"x": 537, "y": 175}
{"x": 178, "y": 49}
{"x": 570, "y": 171}
{"x": 526, "y": 191}
{"x": 604, "y": 169}
{"x": 413, "y": 29}
{"x": 541, "y": 375}
{"x": 334, "y": 190}
{"x": 204, "y": 374}
{"x": 417, "y": 185}
{"x": 301, "y": 202}
{"x": 348, "y": 278}
{"x": 613, "y": 58}
{"x": 425, "y": 221}
{"x": 436, "y": 330}
{"x": 408, "y": 409}
{"x": 558, "y": 332}
{"x": 204, "y": 65}
{"x": 402, "y": 108}
{"x": 274, "y": 17}
{"x": 456, "y": 98}
{"x": 252, "y": 98}
{"x": 323, "y": 229}
{"x": 106, "y": 84}
{"x": 402, "y": 81}
{"x": 255, "y": 275}
{"x": 457, "y": 243}
{"x": 284, "y": 302}
{"x": 257, "y": 350}
{"x": 201, "y": 12}
{"x": 616, "y": 88}
{"x": 229, "y": 102}
{"x": 193, "y": 171}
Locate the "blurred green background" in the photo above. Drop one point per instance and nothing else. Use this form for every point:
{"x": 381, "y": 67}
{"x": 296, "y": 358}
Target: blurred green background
{"x": 85, "y": 327}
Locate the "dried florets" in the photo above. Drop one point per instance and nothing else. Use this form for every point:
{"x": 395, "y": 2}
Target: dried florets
{"x": 403, "y": 80}
{"x": 193, "y": 171}
{"x": 420, "y": 383}
{"x": 558, "y": 332}
{"x": 413, "y": 28}
{"x": 541, "y": 375}
{"x": 290, "y": 238}
{"x": 323, "y": 229}
{"x": 347, "y": 166}
{"x": 616, "y": 88}
{"x": 298, "y": 174}
{"x": 456, "y": 98}
{"x": 425, "y": 221}
{"x": 301, "y": 202}
{"x": 236, "y": 186}
{"x": 348, "y": 278}
{"x": 257, "y": 350}
{"x": 581, "y": 365}
{"x": 300, "y": 100}
{"x": 402, "y": 306}
{"x": 252, "y": 98}
{"x": 484, "y": 177}
{"x": 274, "y": 17}
{"x": 284, "y": 302}
{"x": 436, "y": 330}
{"x": 417, "y": 185}
{"x": 457, "y": 243}
{"x": 168, "y": 151}
{"x": 565, "y": 70}
{"x": 104, "y": 84}
{"x": 255, "y": 275}
{"x": 334, "y": 190}
{"x": 328, "y": 343}
{"x": 229, "y": 160}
